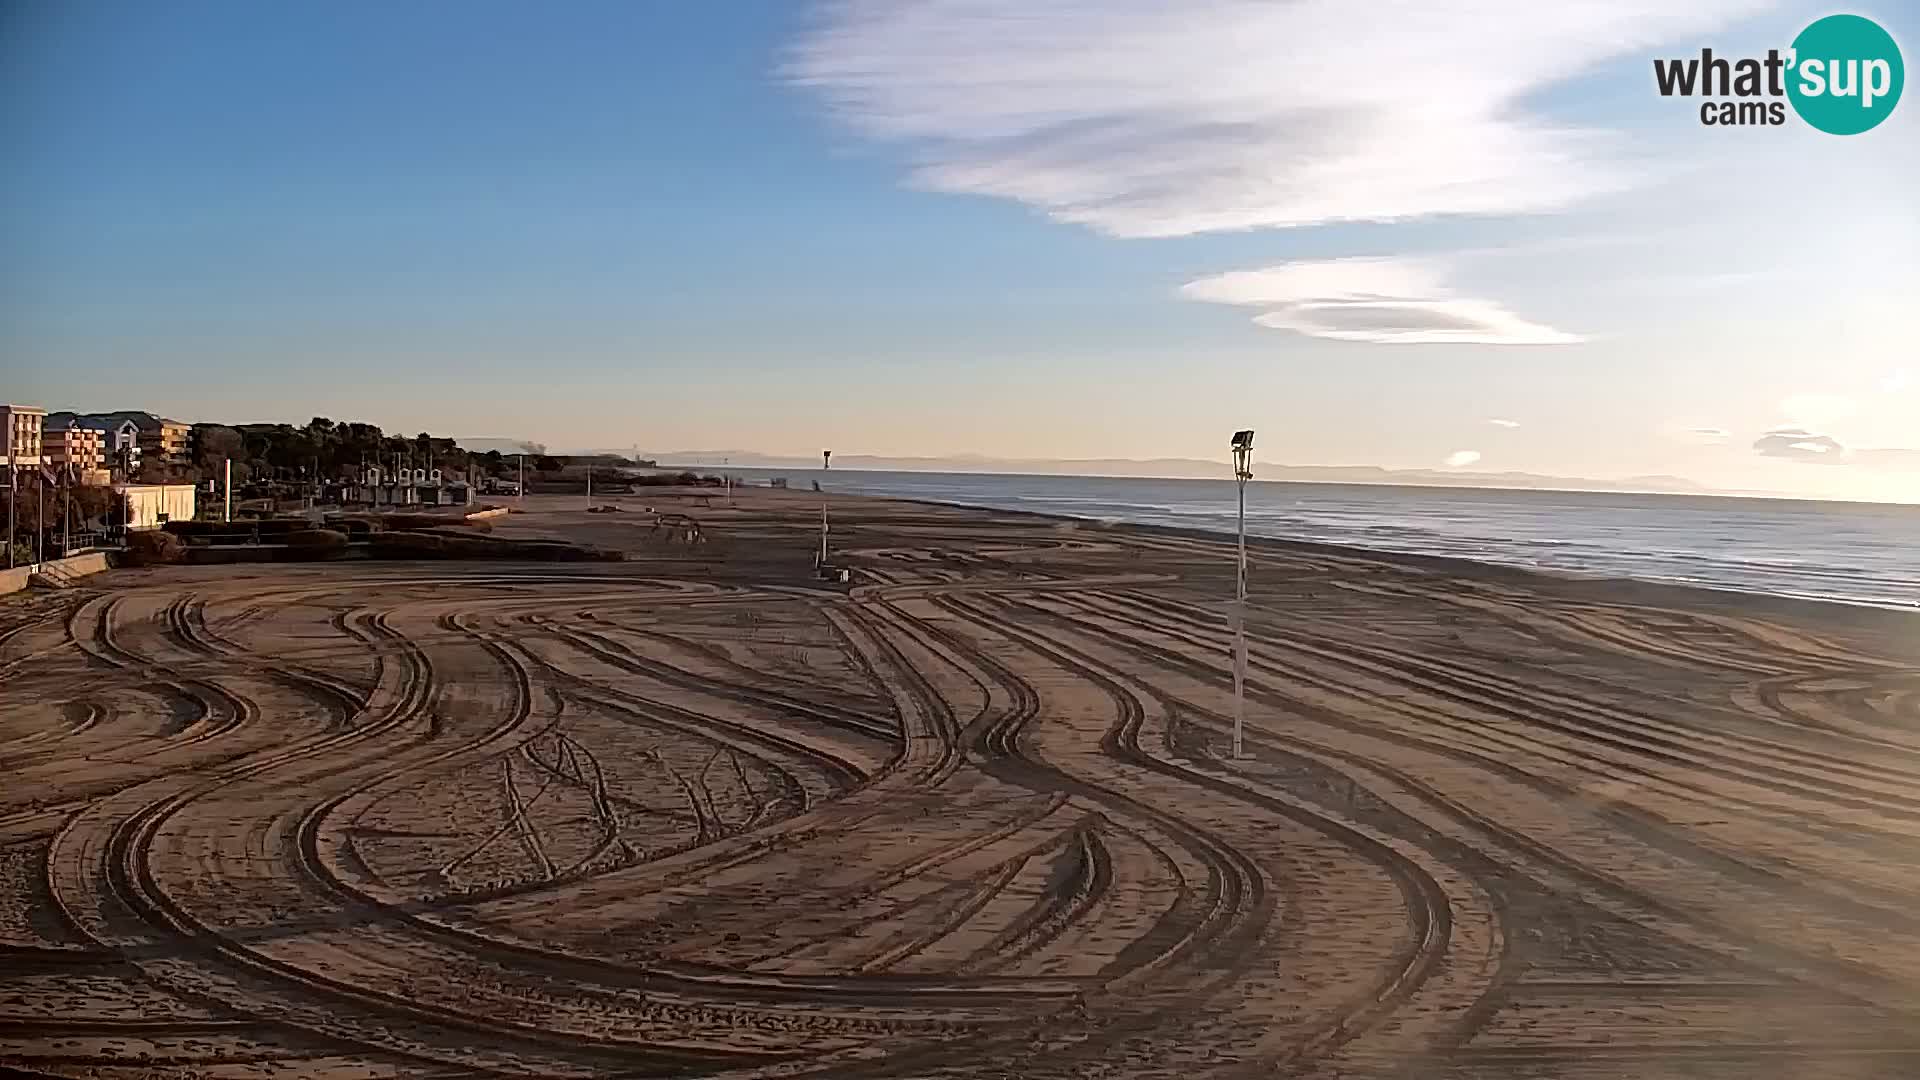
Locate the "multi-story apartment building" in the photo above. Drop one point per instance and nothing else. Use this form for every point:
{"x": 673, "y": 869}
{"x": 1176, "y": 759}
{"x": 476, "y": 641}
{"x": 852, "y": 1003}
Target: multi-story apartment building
{"x": 119, "y": 438}
{"x": 121, "y": 442}
{"x": 21, "y": 425}
{"x": 76, "y": 446}
{"x": 159, "y": 437}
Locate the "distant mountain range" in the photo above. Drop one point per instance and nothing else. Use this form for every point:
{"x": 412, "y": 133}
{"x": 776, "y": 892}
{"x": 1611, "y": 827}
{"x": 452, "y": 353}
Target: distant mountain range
{"x": 1173, "y": 468}
{"x": 1176, "y": 468}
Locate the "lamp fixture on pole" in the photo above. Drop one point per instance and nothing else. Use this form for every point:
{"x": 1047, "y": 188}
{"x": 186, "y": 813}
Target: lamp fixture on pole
{"x": 1242, "y": 472}
{"x": 826, "y": 462}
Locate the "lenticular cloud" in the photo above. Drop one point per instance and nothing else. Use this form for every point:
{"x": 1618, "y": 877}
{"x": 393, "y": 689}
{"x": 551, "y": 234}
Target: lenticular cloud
{"x": 1385, "y": 301}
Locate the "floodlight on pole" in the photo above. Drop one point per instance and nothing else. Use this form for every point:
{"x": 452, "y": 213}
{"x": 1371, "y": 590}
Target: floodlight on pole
{"x": 1242, "y": 472}
{"x": 826, "y": 463}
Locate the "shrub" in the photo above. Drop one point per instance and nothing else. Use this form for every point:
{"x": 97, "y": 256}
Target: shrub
{"x": 153, "y": 547}
{"x": 404, "y": 522}
{"x": 316, "y": 538}
{"x": 237, "y": 531}
{"x": 310, "y": 544}
{"x": 444, "y": 545}
{"x": 679, "y": 479}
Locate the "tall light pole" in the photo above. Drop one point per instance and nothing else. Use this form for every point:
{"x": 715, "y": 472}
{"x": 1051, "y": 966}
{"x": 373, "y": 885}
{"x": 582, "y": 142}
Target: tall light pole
{"x": 826, "y": 462}
{"x": 523, "y": 480}
{"x": 12, "y": 490}
{"x": 1242, "y": 472}
{"x": 726, "y": 466}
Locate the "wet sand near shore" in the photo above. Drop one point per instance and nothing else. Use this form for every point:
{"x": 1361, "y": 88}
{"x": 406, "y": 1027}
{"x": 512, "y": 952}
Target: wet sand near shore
{"x": 975, "y": 814}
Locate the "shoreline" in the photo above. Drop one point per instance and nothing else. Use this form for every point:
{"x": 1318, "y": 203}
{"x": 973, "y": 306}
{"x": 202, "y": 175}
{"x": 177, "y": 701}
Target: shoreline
{"x": 1636, "y": 590}
{"x": 1739, "y": 496}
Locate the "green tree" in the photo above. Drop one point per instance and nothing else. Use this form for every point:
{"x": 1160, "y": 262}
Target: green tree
{"x": 218, "y": 445}
{"x": 154, "y": 470}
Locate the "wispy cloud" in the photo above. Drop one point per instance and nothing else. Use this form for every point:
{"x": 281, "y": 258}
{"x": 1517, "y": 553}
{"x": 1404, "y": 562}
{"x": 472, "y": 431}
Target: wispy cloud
{"x": 1690, "y": 434}
{"x": 1462, "y": 458}
{"x": 1387, "y": 301}
{"x": 1144, "y": 118}
{"x": 1801, "y": 445}
{"x": 1497, "y": 422}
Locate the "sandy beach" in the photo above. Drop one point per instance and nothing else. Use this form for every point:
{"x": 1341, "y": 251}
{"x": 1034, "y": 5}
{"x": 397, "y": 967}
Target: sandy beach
{"x": 974, "y": 814}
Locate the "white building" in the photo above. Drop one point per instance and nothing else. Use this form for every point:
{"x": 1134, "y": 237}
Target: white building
{"x": 149, "y": 506}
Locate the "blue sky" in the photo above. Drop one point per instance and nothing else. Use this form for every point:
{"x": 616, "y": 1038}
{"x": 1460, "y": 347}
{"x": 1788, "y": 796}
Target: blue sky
{"x": 1010, "y": 228}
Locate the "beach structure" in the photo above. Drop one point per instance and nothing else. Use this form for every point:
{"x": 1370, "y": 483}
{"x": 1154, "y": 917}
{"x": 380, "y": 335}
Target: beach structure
{"x": 379, "y": 486}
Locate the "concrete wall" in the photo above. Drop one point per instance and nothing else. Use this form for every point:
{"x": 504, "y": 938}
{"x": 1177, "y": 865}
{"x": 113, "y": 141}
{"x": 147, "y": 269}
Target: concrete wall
{"x": 93, "y": 562}
{"x": 12, "y": 581}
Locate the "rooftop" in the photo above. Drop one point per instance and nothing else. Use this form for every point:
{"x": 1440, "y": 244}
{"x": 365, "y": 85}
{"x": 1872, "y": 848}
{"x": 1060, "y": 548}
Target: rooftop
{"x": 100, "y": 421}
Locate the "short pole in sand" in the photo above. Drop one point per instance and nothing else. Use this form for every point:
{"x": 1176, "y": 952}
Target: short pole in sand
{"x": 1242, "y": 472}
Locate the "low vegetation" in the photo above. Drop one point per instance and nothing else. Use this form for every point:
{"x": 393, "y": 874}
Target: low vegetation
{"x": 679, "y": 479}
{"x": 447, "y": 545}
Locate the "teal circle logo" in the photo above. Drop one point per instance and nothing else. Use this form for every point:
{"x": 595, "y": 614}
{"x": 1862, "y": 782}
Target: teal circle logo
{"x": 1846, "y": 74}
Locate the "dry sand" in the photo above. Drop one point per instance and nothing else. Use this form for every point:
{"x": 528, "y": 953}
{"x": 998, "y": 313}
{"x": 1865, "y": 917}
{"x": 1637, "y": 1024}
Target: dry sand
{"x": 977, "y": 816}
